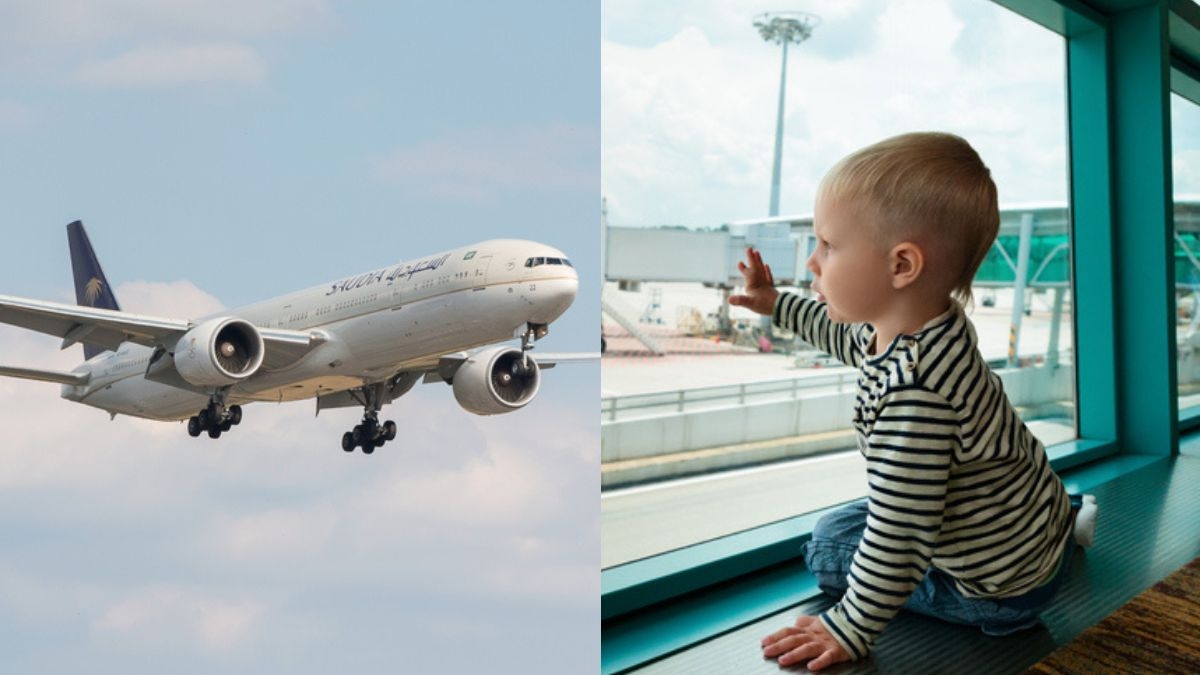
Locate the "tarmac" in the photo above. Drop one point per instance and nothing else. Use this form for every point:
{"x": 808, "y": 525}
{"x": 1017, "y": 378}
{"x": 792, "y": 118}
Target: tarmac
{"x": 645, "y": 520}
{"x": 628, "y": 367}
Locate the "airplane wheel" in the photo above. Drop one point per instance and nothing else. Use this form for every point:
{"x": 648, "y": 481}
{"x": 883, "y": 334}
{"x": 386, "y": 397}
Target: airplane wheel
{"x": 389, "y": 430}
{"x": 214, "y": 433}
{"x": 368, "y": 447}
{"x": 203, "y": 419}
{"x": 226, "y": 425}
{"x": 356, "y": 433}
{"x": 348, "y": 442}
{"x": 194, "y": 427}
{"x": 380, "y": 441}
{"x": 235, "y": 415}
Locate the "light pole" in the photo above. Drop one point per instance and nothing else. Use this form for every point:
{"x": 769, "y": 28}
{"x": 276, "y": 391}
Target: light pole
{"x": 783, "y": 28}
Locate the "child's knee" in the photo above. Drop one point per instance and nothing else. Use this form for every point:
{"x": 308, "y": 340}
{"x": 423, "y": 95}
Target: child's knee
{"x": 844, "y": 526}
{"x": 830, "y": 552}
{"x": 829, "y": 563}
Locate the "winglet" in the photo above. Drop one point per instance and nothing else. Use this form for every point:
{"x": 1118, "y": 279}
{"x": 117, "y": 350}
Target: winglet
{"x": 91, "y": 286}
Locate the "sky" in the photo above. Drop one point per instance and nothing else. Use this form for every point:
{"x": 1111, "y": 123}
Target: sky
{"x": 1185, "y": 147}
{"x": 689, "y": 96}
{"x": 220, "y": 153}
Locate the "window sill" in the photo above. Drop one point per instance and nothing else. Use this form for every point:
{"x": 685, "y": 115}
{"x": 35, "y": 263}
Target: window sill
{"x": 1189, "y": 419}
{"x": 659, "y": 605}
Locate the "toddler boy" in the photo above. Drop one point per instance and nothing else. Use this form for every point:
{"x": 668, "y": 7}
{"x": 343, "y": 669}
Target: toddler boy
{"x": 964, "y": 518}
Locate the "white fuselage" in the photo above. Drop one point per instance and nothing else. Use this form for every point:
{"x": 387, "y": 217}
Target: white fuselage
{"x": 374, "y": 325}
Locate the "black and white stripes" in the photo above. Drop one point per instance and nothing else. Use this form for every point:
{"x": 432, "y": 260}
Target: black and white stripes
{"x": 955, "y": 479}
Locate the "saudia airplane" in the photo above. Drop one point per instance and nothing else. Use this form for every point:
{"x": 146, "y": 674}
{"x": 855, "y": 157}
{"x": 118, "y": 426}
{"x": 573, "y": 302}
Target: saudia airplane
{"x": 359, "y": 341}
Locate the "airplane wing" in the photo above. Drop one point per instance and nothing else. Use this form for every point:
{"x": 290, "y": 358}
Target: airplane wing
{"x": 109, "y": 328}
{"x": 546, "y": 361}
{"x": 426, "y": 372}
{"x": 45, "y": 375}
{"x": 75, "y": 323}
{"x": 446, "y": 365}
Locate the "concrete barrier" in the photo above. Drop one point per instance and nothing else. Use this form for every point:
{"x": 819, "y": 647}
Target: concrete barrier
{"x": 680, "y": 443}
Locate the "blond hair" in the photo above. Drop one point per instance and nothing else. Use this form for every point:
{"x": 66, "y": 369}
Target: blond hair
{"x": 929, "y": 188}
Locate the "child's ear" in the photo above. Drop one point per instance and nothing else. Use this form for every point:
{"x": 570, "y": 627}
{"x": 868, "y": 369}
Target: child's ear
{"x": 907, "y": 261}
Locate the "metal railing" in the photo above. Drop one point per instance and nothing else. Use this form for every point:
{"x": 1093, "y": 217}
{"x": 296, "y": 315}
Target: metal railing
{"x": 837, "y": 380}
{"x": 634, "y": 406}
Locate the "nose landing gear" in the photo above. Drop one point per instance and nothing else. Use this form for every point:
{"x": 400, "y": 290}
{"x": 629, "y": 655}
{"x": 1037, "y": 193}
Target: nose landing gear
{"x": 532, "y": 333}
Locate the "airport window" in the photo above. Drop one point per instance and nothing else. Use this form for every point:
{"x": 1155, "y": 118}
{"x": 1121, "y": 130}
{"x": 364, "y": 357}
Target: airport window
{"x": 714, "y": 423}
{"x": 1185, "y": 150}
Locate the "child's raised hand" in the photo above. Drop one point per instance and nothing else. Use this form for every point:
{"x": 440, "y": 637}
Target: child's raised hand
{"x": 806, "y": 642}
{"x": 760, "y": 290}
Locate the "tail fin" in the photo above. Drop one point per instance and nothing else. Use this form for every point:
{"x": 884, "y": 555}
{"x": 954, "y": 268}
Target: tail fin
{"x": 91, "y": 286}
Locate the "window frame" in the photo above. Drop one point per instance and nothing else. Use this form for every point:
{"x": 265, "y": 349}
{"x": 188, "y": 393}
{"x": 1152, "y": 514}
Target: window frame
{"x": 1123, "y": 60}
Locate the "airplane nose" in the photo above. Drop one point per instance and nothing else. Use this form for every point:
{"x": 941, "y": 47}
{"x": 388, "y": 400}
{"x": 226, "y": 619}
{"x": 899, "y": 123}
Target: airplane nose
{"x": 554, "y": 297}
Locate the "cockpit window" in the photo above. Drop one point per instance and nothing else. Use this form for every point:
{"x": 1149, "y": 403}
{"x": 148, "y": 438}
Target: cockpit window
{"x": 540, "y": 260}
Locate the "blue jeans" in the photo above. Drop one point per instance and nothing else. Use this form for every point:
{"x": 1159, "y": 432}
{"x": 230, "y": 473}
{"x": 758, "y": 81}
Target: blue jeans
{"x": 836, "y": 537}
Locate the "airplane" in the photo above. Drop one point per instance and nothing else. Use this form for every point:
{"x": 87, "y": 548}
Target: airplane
{"x": 361, "y": 340}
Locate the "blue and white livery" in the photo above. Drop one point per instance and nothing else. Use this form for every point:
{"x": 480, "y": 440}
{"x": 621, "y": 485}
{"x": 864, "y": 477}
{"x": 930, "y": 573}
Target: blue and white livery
{"x": 362, "y": 340}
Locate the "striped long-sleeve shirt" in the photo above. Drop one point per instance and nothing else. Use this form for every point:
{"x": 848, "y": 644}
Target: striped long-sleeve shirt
{"x": 955, "y": 479}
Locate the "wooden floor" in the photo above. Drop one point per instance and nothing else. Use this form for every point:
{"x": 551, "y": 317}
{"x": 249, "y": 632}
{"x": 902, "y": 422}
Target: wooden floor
{"x": 1148, "y": 527}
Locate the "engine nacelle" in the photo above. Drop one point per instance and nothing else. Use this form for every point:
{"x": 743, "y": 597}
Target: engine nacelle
{"x": 219, "y": 352}
{"x": 496, "y": 380}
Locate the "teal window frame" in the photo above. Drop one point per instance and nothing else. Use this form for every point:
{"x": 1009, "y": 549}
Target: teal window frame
{"x": 1123, "y": 59}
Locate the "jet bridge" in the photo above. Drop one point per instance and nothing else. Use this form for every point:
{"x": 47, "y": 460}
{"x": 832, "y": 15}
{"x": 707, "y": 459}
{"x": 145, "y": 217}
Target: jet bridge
{"x": 1031, "y": 253}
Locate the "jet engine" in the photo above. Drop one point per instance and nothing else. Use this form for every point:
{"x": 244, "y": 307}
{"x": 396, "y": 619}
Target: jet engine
{"x": 496, "y": 380}
{"x": 219, "y": 352}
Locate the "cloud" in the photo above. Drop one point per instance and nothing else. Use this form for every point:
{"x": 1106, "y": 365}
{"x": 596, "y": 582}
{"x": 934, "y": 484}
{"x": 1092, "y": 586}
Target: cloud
{"x": 149, "y": 43}
{"x": 509, "y": 496}
{"x": 178, "y": 614}
{"x": 485, "y": 164}
{"x": 170, "y": 299}
{"x": 155, "y": 544}
{"x": 689, "y": 119}
{"x": 174, "y": 65}
{"x": 68, "y": 22}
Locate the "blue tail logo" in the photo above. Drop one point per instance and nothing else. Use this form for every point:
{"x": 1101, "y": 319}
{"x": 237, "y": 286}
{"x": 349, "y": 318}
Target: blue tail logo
{"x": 91, "y": 286}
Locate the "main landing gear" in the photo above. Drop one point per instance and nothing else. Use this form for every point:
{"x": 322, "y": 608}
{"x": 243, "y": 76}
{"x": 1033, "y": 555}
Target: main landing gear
{"x": 215, "y": 419}
{"x": 370, "y": 434}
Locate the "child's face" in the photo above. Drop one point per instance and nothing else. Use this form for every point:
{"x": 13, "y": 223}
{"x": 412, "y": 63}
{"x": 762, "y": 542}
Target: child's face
{"x": 850, "y": 269}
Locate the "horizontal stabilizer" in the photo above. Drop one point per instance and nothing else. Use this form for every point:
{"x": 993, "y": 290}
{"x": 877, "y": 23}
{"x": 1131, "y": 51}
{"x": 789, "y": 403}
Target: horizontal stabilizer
{"x": 46, "y": 375}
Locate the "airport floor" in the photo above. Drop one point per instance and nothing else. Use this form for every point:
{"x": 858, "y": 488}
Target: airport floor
{"x": 1147, "y": 528}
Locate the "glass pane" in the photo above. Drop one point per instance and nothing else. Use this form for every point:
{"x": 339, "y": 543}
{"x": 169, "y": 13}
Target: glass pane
{"x": 1185, "y": 151}
{"x": 711, "y": 422}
